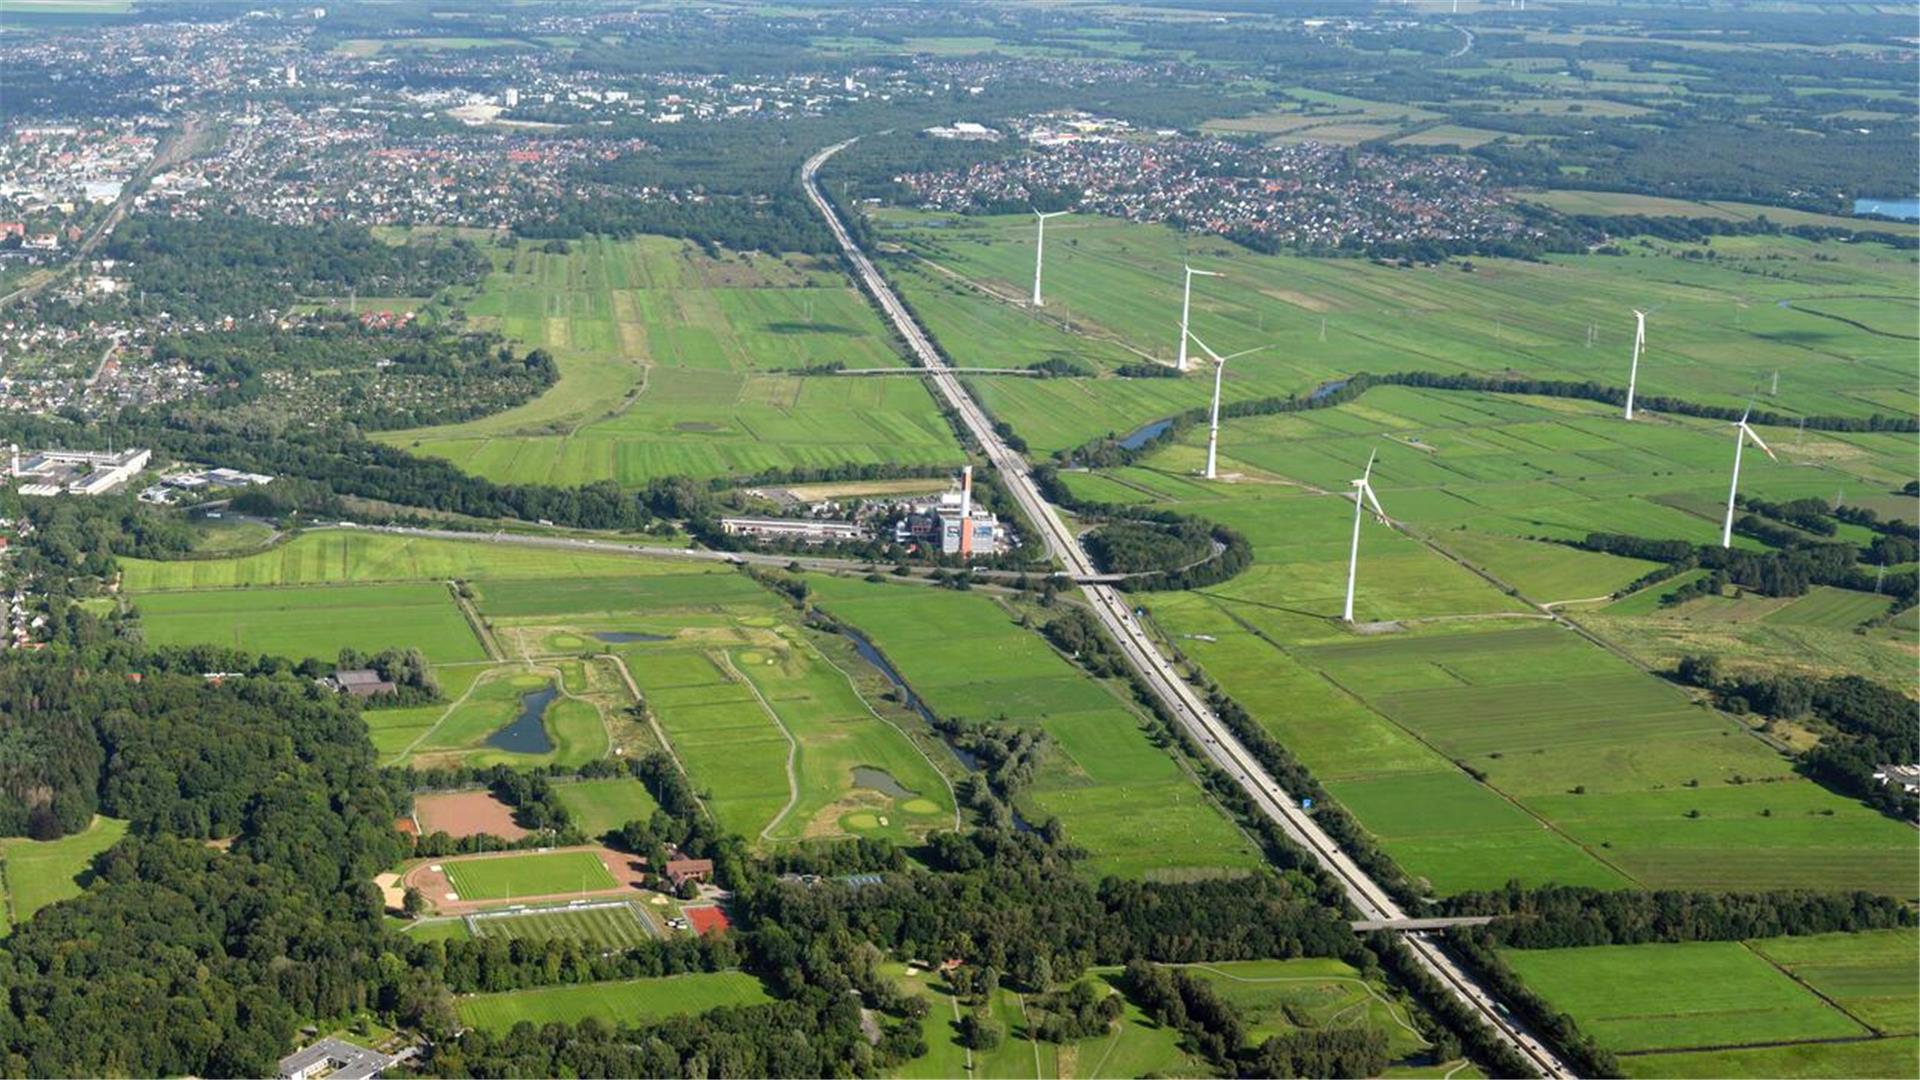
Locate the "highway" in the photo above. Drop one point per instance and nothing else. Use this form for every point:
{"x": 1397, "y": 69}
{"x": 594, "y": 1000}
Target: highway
{"x": 1207, "y": 730}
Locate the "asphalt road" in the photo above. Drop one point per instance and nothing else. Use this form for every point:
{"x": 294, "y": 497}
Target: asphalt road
{"x": 1116, "y": 614}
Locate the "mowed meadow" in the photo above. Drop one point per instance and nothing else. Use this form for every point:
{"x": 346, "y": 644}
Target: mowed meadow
{"x": 677, "y": 363}
{"x": 1555, "y": 758}
{"x": 1825, "y": 1005}
{"x": 1719, "y": 328}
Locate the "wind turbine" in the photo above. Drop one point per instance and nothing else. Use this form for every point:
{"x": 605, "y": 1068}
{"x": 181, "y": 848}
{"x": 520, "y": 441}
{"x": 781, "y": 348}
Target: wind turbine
{"x": 1040, "y": 250}
{"x": 1186, "y": 307}
{"x": 1741, "y": 434}
{"x": 1213, "y": 422}
{"x": 1639, "y": 343}
{"x": 1362, "y": 490}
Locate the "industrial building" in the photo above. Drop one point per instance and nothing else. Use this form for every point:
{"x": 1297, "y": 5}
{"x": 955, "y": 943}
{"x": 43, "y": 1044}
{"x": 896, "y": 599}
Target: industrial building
{"x": 76, "y": 472}
{"x": 805, "y": 530}
{"x": 958, "y": 526}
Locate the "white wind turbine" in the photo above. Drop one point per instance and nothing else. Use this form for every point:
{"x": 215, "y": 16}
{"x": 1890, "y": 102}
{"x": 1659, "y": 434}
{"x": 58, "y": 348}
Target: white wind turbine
{"x": 1741, "y": 433}
{"x": 1362, "y": 497}
{"x": 1040, "y": 250}
{"x": 1213, "y": 422}
{"x": 1186, "y": 307}
{"x": 1639, "y": 343}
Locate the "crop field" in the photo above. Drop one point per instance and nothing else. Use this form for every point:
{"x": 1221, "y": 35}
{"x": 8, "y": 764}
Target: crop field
{"x": 620, "y": 926}
{"x": 633, "y": 1002}
{"x": 675, "y": 363}
{"x": 35, "y": 873}
{"x": 508, "y": 876}
{"x": 1717, "y": 330}
{"x": 599, "y": 806}
{"x": 1121, "y": 797}
{"x": 317, "y": 621}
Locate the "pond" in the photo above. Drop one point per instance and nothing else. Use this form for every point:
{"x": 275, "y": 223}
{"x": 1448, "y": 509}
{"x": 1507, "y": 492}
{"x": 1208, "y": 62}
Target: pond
{"x": 872, "y": 656}
{"x": 882, "y": 781}
{"x": 1141, "y": 436}
{"x": 528, "y": 732}
{"x": 1328, "y": 388}
{"x": 625, "y": 637}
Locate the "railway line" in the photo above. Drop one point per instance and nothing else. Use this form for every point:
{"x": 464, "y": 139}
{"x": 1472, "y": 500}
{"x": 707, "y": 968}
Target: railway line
{"x": 1207, "y": 730}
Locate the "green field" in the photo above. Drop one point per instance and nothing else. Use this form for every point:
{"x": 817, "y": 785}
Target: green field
{"x": 1679, "y": 996}
{"x": 621, "y": 927}
{"x": 1593, "y": 770}
{"x": 674, "y": 363}
{"x": 483, "y": 701}
{"x": 1824, "y": 1005}
{"x": 1275, "y": 997}
{"x": 318, "y": 622}
{"x": 599, "y": 806}
{"x": 507, "y": 876}
{"x": 1120, "y": 796}
{"x": 1719, "y": 326}
{"x": 632, "y": 1002}
{"x": 41, "y": 872}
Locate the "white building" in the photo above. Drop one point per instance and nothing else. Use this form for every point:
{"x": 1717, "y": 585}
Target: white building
{"x": 77, "y": 472}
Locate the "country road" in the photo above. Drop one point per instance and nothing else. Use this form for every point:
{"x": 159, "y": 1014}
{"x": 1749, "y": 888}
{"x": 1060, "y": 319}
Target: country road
{"x": 1117, "y": 615}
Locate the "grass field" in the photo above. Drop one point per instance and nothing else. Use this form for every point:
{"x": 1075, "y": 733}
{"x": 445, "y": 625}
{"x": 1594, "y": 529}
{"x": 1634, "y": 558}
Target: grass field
{"x": 505, "y": 877}
{"x": 1119, "y": 795}
{"x": 41, "y": 872}
{"x": 676, "y": 363}
{"x": 1719, "y": 327}
{"x": 1593, "y": 771}
{"x": 631, "y": 1002}
{"x": 1276, "y": 997}
{"x": 317, "y": 622}
{"x": 599, "y": 806}
{"x": 489, "y": 700}
{"x": 620, "y": 927}
{"x": 1824, "y": 1005}
{"x": 1679, "y": 996}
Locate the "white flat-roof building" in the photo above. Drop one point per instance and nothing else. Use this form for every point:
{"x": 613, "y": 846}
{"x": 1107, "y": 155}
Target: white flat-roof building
{"x": 805, "y": 530}
{"x": 77, "y": 472}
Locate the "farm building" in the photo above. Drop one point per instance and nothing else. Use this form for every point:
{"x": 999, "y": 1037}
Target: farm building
{"x": 360, "y": 682}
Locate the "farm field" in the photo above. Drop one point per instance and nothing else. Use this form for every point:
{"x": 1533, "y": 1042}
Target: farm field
{"x": 629, "y": 1002}
{"x": 618, "y": 927}
{"x": 313, "y": 622}
{"x": 1717, "y": 330}
{"x": 1644, "y": 788}
{"x": 675, "y": 363}
{"x": 1823, "y": 1005}
{"x": 1124, "y": 799}
{"x": 506, "y": 877}
{"x": 36, "y": 873}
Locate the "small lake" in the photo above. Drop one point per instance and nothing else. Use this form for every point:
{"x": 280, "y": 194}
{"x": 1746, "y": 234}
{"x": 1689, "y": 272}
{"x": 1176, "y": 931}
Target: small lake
{"x": 625, "y": 637}
{"x": 528, "y": 732}
{"x": 1326, "y": 388}
{"x": 1898, "y": 209}
{"x": 1140, "y": 437}
{"x": 882, "y": 781}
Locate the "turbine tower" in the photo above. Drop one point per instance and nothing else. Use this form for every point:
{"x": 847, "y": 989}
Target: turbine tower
{"x": 1213, "y": 422}
{"x": 1741, "y": 433}
{"x": 1040, "y": 250}
{"x": 1186, "y": 306}
{"x": 1362, "y": 490}
{"x": 1639, "y": 343}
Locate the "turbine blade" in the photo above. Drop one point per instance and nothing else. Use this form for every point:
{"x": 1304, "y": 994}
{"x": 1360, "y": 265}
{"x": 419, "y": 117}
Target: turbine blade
{"x": 1242, "y": 352}
{"x": 1204, "y": 347}
{"x": 1755, "y": 436}
{"x": 1368, "y": 474}
{"x": 1374, "y": 502}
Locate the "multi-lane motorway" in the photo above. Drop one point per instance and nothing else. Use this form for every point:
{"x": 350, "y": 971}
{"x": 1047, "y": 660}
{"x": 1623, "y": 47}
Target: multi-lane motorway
{"x": 1186, "y": 705}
